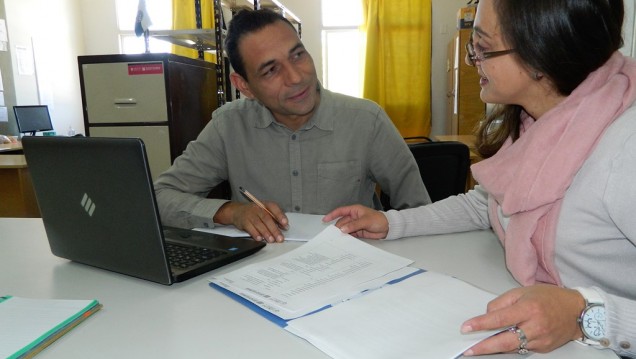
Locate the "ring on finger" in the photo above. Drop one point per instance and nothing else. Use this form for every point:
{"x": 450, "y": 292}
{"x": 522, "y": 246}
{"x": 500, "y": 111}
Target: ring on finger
{"x": 523, "y": 340}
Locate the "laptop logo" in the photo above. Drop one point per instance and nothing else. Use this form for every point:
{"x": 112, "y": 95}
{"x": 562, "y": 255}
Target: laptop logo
{"x": 88, "y": 205}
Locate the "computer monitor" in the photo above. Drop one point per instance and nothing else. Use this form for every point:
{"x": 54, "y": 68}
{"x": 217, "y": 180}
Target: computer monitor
{"x": 32, "y": 119}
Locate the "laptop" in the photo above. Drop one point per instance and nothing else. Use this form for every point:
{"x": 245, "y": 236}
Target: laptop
{"x": 98, "y": 206}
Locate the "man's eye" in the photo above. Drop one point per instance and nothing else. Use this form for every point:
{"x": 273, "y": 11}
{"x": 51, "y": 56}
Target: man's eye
{"x": 298, "y": 55}
{"x": 270, "y": 71}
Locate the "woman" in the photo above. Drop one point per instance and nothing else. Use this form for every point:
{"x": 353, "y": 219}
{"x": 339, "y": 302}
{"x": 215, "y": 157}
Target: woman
{"x": 557, "y": 182}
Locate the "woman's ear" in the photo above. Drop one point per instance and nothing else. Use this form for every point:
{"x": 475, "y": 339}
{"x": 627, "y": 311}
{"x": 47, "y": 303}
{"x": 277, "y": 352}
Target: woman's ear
{"x": 241, "y": 84}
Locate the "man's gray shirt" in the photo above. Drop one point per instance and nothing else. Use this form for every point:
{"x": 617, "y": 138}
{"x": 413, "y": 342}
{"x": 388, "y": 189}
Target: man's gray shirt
{"x": 335, "y": 159}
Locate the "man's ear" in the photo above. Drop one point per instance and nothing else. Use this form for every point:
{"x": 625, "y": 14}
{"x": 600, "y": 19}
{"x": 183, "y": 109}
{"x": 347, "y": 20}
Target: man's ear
{"x": 241, "y": 84}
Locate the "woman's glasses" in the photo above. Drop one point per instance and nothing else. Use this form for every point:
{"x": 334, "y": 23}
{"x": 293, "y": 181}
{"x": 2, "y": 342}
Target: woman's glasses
{"x": 473, "y": 57}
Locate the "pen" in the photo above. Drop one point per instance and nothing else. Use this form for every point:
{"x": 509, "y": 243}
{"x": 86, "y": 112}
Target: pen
{"x": 258, "y": 203}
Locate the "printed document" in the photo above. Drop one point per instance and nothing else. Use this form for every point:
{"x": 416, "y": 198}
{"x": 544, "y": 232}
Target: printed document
{"x": 330, "y": 268}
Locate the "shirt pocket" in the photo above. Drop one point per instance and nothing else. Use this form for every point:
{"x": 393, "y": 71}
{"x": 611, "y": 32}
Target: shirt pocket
{"x": 338, "y": 183}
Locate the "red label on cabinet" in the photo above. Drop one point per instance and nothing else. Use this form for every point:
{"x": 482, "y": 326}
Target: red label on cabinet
{"x": 145, "y": 69}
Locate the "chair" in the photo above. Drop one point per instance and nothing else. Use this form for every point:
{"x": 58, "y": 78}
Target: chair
{"x": 443, "y": 166}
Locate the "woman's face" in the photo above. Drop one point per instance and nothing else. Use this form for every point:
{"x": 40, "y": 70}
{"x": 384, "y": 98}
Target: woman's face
{"x": 504, "y": 80}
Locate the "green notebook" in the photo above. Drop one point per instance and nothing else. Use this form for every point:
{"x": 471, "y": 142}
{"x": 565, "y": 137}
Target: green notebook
{"x": 30, "y": 325}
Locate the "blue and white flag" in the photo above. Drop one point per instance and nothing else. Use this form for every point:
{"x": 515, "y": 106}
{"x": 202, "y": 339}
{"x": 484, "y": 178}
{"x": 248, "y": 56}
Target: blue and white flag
{"x": 142, "y": 22}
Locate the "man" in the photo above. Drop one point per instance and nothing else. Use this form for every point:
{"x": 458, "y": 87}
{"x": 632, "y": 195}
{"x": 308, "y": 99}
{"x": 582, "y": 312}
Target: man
{"x": 291, "y": 143}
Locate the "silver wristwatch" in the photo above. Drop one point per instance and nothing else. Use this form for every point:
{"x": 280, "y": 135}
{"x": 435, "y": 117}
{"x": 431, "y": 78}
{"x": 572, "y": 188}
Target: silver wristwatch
{"x": 592, "y": 320}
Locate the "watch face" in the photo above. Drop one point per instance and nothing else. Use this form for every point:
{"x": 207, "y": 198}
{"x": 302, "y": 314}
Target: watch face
{"x": 593, "y": 322}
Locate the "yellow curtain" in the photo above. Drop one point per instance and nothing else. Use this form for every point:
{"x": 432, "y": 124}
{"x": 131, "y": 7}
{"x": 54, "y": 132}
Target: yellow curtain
{"x": 397, "y": 71}
{"x": 184, "y": 18}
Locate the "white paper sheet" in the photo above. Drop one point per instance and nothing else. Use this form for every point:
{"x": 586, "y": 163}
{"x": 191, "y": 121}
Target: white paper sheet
{"x": 331, "y": 267}
{"x": 302, "y": 227}
{"x": 419, "y": 317}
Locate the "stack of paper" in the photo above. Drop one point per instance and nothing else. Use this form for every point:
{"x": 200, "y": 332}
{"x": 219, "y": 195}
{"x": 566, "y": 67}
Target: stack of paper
{"x": 416, "y": 318}
{"x": 30, "y": 325}
{"x": 330, "y": 268}
{"x": 353, "y": 300}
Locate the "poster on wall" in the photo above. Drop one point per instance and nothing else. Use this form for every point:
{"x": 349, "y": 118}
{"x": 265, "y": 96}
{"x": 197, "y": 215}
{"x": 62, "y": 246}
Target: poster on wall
{"x": 24, "y": 55}
{"x": 4, "y": 39}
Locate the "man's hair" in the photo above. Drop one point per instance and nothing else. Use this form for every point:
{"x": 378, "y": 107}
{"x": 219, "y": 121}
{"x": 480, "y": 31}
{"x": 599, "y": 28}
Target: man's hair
{"x": 242, "y": 24}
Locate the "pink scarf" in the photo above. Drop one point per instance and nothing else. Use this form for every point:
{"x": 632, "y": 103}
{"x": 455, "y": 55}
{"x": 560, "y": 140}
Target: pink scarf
{"x": 528, "y": 178}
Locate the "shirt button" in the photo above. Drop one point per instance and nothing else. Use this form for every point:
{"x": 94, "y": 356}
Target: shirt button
{"x": 297, "y": 208}
{"x": 293, "y": 137}
{"x": 625, "y": 345}
{"x": 295, "y": 172}
{"x": 604, "y": 342}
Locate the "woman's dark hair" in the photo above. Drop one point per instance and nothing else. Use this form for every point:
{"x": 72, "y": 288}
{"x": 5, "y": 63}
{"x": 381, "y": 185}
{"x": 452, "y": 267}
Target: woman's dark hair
{"x": 565, "y": 40}
{"x": 242, "y": 24}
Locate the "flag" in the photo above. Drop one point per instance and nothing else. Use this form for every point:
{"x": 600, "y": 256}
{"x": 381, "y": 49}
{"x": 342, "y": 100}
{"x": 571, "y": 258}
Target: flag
{"x": 142, "y": 22}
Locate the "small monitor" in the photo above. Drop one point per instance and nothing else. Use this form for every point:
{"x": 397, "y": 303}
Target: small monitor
{"x": 32, "y": 119}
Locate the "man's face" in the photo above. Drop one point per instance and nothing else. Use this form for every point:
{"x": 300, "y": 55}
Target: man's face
{"x": 280, "y": 73}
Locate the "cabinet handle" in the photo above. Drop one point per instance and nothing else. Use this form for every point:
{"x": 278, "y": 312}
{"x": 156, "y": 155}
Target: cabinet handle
{"x": 125, "y": 101}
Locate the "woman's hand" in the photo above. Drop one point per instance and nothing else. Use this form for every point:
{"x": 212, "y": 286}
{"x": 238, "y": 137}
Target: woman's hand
{"x": 546, "y": 314}
{"x": 360, "y": 221}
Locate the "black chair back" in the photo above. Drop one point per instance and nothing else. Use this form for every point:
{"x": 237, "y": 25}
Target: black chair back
{"x": 443, "y": 166}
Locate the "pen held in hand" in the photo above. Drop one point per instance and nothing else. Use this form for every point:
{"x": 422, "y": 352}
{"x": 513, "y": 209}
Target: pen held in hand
{"x": 260, "y": 204}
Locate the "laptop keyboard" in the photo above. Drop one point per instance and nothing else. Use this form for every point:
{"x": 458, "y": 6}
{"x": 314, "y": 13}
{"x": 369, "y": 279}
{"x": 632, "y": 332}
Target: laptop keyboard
{"x": 183, "y": 256}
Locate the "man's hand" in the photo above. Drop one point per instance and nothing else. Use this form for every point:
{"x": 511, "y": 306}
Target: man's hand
{"x": 253, "y": 220}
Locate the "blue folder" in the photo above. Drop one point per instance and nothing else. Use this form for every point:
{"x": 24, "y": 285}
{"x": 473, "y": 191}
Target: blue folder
{"x": 278, "y": 320}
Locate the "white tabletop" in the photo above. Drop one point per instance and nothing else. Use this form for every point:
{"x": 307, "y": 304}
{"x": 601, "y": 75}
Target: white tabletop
{"x": 142, "y": 319}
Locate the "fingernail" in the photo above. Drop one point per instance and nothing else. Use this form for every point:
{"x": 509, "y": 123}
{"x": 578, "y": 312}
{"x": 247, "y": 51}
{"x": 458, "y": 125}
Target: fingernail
{"x": 280, "y": 239}
{"x": 468, "y": 353}
{"x": 466, "y": 329}
{"x": 270, "y": 239}
{"x": 259, "y": 238}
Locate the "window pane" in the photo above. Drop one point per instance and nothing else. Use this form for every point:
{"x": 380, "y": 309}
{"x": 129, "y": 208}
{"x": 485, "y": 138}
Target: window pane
{"x": 343, "y": 61}
{"x": 159, "y": 13}
{"x": 341, "y": 12}
{"x": 131, "y": 44}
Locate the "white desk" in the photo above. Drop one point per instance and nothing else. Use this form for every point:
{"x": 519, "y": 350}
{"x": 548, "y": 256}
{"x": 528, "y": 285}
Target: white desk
{"x": 141, "y": 319}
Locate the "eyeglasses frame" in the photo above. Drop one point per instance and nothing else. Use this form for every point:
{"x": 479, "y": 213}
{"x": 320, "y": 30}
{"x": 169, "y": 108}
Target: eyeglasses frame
{"x": 472, "y": 59}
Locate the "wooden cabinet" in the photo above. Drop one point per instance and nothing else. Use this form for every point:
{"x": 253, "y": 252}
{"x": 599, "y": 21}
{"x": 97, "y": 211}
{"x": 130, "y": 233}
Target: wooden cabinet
{"x": 16, "y": 190}
{"x": 464, "y": 107}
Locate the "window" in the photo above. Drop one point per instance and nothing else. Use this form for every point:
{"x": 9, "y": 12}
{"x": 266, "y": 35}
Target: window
{"x": 159, "y": 12}
{"x": 343, "y": 46}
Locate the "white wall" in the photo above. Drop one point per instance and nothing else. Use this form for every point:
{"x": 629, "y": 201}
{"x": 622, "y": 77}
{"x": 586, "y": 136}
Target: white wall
{"x": 50, "y": 32}
{"x": 99, "y": 25}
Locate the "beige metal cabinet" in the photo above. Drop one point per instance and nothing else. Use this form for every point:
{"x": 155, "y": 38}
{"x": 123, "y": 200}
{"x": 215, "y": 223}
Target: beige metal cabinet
{"x": 164, "y": 99}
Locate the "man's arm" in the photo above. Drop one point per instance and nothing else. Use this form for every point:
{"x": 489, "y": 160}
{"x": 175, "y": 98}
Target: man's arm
{"x": 394, "y": 168}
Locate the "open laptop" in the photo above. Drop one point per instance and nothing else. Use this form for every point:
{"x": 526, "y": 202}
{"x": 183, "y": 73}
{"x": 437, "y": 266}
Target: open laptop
{"x": 98, "y": 206}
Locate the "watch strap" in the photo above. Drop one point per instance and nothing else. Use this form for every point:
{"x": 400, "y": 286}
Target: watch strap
{"x": 591, "y": 297}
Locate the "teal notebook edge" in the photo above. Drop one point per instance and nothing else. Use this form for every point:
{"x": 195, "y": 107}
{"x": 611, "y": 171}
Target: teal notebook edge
{"x": 56, "y": 332}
